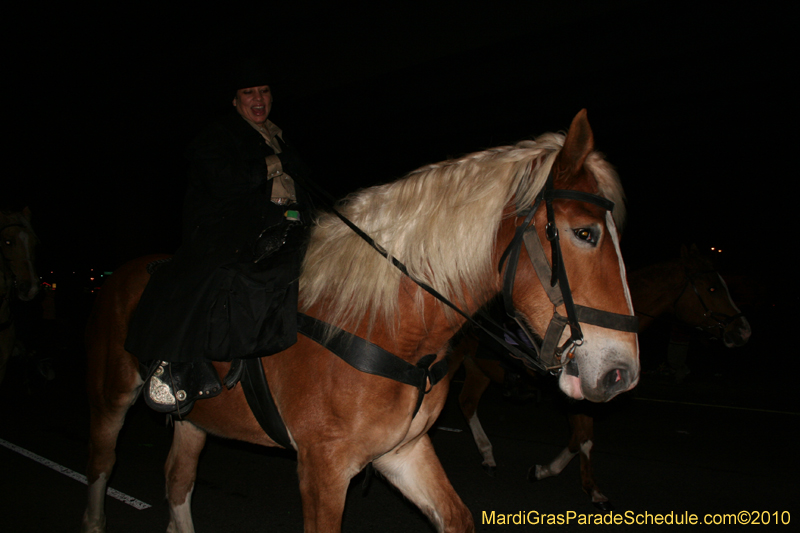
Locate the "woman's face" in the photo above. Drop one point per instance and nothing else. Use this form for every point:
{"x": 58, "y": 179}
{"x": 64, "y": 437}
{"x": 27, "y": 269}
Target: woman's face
{"x": 254, "y": 103}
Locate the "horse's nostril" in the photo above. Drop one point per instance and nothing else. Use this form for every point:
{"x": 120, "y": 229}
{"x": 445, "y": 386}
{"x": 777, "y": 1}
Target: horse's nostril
{"x": 615, "y": 379}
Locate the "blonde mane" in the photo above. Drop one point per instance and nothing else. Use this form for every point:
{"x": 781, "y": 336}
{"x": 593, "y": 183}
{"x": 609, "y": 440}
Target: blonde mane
{"x": 441, "y": 221}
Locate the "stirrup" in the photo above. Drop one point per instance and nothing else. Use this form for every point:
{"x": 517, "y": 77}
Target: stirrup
{"x": 173, "y": 387}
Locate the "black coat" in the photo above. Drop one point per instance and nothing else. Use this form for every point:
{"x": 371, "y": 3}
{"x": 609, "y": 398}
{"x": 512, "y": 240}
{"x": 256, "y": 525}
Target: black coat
{"x": 210, "y": 300}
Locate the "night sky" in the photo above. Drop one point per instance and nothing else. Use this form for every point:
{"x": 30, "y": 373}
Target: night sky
{"x": 689, "y": 102}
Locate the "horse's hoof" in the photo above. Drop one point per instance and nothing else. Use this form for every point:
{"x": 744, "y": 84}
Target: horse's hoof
{"x": 490, "y": 470}
{"x": 605, "y": 507}
{"x": 532, "y": 473}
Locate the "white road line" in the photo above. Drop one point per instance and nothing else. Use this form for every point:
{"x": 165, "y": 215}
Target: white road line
{"x": 121, "y": 496}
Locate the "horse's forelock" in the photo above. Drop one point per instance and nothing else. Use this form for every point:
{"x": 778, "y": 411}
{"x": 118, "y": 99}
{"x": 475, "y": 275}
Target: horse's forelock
{"x": 609, "y": 186}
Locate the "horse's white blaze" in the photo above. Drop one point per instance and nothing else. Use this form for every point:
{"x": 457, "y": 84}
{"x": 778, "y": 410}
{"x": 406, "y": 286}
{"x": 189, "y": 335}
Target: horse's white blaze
{"x": 744, "y": 325}
{"x": 728, "y": 293}
{"x": 558, "y": 464}
{"x": 484, "y": 445}
{"x": 612, "y": 229}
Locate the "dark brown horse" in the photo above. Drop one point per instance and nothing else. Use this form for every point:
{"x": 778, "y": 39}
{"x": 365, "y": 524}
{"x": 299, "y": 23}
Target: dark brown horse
{"x": 450, "y": 224}
{"x": 18, "y": 278}
{"x": 688, "y": 288}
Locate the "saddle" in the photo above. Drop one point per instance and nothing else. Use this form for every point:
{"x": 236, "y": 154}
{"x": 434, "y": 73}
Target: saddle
{"x": 252, "y": 314}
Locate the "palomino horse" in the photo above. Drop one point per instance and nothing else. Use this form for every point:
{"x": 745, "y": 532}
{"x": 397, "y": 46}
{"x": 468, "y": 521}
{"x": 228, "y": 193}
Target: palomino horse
{"x": 450, "y": 224}
{"x": 688, "y": 288}
{"x": 17, "y": 274}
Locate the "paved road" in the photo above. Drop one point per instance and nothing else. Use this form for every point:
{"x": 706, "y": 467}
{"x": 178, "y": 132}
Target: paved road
{"x": 721, "y": 442}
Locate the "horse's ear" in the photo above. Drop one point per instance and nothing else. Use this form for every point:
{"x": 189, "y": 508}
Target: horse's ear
{"x": 26, "y": 212}
{"x": 578, "y": 144}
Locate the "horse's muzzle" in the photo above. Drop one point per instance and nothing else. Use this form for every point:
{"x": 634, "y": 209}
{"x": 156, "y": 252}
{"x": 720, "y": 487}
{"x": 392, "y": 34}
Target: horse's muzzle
{"x": 603, "y": 375}
{"x": 26, "y": 290}
{"x": 737, "y": 333}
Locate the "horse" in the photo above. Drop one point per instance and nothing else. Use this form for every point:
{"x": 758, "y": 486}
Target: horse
{"x": 18, "y": 242}
{"x": 449, "y": 223}
{"x": 17, "y": 274}
{"x": 687, "y": 287}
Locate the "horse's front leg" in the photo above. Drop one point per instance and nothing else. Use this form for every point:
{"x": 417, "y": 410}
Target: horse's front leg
{"x": 582, "y": 441}
{"x": 576, "y": 444}
{"x": 475, "y": 384}
{"x": 181, "y": 470}
{"x": 109, "y": 402}
{"x": 416, "y": 471}
{"x": 324, "y": 478}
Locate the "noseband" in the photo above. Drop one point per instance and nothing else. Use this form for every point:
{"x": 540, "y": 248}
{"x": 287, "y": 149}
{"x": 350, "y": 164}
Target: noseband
{"x": 721, "y": 320}
{"x": 549, "y": 356}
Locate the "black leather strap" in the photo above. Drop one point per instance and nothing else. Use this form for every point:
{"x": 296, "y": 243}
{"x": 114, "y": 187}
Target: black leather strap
{"x": 607, "y": 319}
{"x": 372, "y": 359}
{"x": 259, "y": 398}
{"x": 569, "y": 194}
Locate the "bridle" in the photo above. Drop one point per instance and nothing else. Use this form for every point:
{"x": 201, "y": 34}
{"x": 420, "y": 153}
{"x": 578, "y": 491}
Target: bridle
{"x": 719, "y": 320}
{"x": 548, "y": 356}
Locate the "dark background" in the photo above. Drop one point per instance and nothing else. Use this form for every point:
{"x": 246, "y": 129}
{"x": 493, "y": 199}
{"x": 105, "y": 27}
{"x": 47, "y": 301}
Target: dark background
{"x": 688, "y": 100}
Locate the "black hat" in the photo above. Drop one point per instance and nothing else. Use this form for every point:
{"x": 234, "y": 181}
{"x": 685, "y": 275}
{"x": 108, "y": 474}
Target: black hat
{"x": 249, "y": 72}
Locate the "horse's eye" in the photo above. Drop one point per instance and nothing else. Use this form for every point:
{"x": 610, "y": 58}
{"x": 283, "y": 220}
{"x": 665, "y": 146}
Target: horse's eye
{"x": 585, "y": 234}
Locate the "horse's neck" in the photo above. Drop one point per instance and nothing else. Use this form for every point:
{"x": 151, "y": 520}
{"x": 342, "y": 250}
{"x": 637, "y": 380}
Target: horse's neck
{"x": 655, "y": 289}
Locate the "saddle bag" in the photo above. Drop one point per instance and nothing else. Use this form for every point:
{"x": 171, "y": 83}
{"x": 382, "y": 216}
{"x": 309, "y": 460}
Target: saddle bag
{"x": 253, "y": 313}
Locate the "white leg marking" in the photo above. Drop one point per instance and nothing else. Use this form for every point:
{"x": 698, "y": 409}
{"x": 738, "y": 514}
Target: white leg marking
{"x": 180, "y": 516}
{"x": 597, "y": 496}
{"x": 481, "y": 440}
{"x": 94, "y": 518}
{"x": 586, "y": 448}
{"x": 558, "y": 464}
